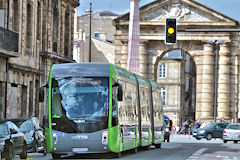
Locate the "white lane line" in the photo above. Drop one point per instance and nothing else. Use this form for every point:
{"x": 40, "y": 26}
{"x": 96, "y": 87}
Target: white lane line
{"x": 197, "y": 154}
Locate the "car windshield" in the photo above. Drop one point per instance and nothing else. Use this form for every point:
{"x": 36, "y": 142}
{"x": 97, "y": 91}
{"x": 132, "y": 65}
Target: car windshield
{"x": 235, "y": 127}
{"x": 80, "y": 98}
{"x": 26, "y": 126}
{"x": 211, "y": 125}
{"x": 3, "y": 130}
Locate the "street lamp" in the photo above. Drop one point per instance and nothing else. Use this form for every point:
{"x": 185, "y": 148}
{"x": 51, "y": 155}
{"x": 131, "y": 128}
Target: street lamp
{"x": 90, "y": 31}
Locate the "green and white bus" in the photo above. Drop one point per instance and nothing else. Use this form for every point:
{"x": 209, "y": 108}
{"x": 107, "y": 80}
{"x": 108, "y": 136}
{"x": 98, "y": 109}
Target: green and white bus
{"x": 100, "y": 108}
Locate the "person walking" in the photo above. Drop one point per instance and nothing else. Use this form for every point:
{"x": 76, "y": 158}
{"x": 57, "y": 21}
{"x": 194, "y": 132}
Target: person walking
{"x": 196, "y": 125}
{"x": 222, "y": 120}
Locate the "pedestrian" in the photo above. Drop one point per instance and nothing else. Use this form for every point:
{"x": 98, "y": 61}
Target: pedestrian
{"x": 177, "y": 129}
{"x": 203, "y": 124}
{"x": 232, "y": 120}
{"x": 196, "y": 125}
{"x": 222, "y": 120}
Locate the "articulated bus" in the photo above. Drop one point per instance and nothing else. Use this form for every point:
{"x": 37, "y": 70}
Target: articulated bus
{"x": 100, "y": 108}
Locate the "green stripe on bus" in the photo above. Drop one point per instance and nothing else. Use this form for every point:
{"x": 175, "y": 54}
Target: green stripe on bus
{"x": 49, "y": 130}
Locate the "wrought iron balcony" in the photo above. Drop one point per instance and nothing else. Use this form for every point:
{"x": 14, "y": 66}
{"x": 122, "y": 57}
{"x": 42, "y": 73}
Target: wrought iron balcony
{"x": 8, "y": 43}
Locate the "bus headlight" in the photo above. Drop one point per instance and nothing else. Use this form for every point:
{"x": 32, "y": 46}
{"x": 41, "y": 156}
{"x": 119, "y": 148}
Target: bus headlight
{"x": 55, "y": 138}
{"x": 105, "y": 137}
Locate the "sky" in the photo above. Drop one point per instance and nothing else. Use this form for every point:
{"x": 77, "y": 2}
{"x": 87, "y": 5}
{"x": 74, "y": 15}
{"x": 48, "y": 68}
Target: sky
{"x": 230, "y": 8}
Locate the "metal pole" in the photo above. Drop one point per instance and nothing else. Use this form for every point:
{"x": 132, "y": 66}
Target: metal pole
{"x": 216, "y": 79}
{"x": 90, "y": 31}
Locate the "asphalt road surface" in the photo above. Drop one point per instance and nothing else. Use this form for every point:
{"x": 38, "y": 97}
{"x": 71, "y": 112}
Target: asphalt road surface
{"x": 180, "y": 147}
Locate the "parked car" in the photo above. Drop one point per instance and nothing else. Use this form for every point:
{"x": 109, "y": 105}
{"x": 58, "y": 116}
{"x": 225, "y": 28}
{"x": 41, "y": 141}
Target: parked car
{"x": 12, "y": 141}
{"x": 232, "y": 133}
{"x": 212, "y": 130}
{"x": 34, "y": 133}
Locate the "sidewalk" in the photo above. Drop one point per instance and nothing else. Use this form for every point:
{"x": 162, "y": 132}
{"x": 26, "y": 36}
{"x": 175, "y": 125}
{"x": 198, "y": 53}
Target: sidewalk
{"x": 190, "y": 139}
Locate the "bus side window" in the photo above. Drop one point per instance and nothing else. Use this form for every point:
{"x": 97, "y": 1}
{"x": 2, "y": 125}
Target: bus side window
{"x": 114, "y": 107}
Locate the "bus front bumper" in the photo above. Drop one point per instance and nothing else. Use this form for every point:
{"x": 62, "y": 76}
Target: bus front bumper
{"x": 69, "y": 143}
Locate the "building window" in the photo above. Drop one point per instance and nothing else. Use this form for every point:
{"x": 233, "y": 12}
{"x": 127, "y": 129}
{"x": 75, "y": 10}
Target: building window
{"x": 38, "y": 21}
{"x": 67, "y": 30}
{"x": 97, "y": 35}
{"x": 55, "y": 25}
{"x": 29, "y": 28}
{"x": 15, "y": 15}
{"x": 162, "y": 70}
{"x": 163, "y": 94}
{"x": 2, "y": 14}
{"x": 30, "y": 107}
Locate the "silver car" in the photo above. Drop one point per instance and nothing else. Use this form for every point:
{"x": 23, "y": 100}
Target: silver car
{"x": 232, "y": 133}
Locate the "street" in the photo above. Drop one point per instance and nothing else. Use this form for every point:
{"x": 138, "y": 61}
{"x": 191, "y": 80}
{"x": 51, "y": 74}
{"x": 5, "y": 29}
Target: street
{"x": 180, "y": 147}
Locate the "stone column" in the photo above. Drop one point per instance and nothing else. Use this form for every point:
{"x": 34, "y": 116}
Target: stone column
{"x": 207, "y": 82}
{"x": 234, "y": 77}
{"x": 118, "y": 49}
{"x": 150, "y": 66}
{"x": 143, "y": 59}
{"x": 223, "y": 99}
{"x": 198, "y": 59}
{"x": 124, "y": 55}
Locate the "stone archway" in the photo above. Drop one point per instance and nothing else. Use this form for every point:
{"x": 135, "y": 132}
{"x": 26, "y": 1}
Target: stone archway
{"x": 175, "y": 72}
{"x": 190, "y": 15}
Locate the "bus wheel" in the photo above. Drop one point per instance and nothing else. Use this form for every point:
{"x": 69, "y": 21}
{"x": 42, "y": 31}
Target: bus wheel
{"x": 56, "y": 156}
{"x": 135, "y": 150}
{"x": 118, "y": 155}
{"x": 148, "y": 147}
{"x": 158, "y": 145}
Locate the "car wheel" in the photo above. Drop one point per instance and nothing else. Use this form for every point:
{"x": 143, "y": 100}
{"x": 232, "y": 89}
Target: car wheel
{"x": 45, "y": 148}
{"x": 10, "y": 152}
{"x": 224, "y": 141}
{"x": 23, "y": 155}
{"x": 56, "y": 156}
{"x": 35, "y": 147}
{"x": 209, "y": 136}
{"x": 235, "y": 141}
{"x": 158, "y": 145}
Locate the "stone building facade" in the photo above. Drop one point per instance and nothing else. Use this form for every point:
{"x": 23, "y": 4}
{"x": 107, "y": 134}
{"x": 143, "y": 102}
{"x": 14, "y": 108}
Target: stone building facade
{"x": 101, "y": 24}
{"x": 102, "y": 50}
{"x": 190, "y": 15}
{"x": 102, "y": 37}
{"x": 176, "y": 78}
{"x": 40, "y": 33}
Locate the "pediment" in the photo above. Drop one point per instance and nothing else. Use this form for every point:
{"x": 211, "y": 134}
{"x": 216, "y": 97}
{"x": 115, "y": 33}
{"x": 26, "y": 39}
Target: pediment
{"x": 183, "y": 10}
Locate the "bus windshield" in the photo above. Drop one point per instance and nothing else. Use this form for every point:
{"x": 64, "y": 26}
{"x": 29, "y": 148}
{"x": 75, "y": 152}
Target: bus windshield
{"x": 81, "y": 97}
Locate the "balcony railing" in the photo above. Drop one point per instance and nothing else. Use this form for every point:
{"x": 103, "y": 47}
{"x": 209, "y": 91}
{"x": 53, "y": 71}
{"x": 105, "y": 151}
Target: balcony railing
{"x": 8, "y": 40}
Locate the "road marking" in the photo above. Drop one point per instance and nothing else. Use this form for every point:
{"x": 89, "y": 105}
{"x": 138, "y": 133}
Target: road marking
{"x": 197, "y": 154}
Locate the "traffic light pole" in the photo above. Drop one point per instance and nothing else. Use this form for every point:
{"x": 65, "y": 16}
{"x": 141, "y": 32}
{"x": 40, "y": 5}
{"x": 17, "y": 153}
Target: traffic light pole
{"x": 90, "y": 33}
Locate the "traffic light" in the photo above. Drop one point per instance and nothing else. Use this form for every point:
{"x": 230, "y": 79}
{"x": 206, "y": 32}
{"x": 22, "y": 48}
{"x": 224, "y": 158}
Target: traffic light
{"x": 171, "y": 31}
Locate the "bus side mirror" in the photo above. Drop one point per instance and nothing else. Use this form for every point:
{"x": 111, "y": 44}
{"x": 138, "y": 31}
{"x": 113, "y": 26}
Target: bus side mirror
{"x": 120, "y": 93}
{"x": 41, "y": 93}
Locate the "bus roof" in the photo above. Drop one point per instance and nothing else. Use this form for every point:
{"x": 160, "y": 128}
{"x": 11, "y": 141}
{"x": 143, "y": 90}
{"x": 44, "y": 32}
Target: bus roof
{"x": 154, "y": 84}
{"x": 81, "y": 69}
